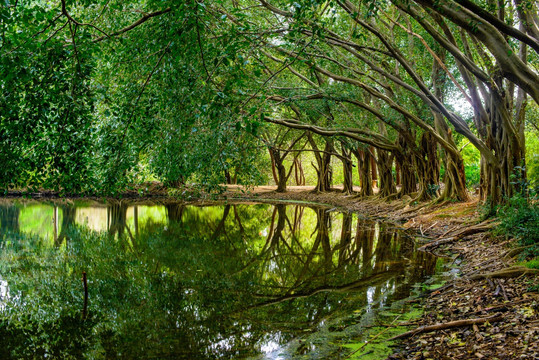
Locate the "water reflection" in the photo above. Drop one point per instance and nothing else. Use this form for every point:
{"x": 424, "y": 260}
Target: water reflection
{"x": 198, "y": 282}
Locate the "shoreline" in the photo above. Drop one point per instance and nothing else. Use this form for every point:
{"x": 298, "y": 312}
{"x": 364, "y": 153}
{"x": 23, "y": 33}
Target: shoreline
{"x": 490, "y": 289}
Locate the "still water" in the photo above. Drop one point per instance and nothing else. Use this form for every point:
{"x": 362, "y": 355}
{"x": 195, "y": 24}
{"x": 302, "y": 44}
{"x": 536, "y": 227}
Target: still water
{"x": 170, "y": 281}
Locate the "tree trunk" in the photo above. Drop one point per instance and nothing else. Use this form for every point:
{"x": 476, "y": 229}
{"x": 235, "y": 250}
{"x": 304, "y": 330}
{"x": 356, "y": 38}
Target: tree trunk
{"x": 348, "y": 184}
{"x": 454, "y": 177}
{"x": 428, "y": 168}
{"x": 323, "y": 161}
{"x": 273, "y": 168}
{"x": 298, "y": 172}
{"x": 374, "y": 168}
{"x": 281, "y": 171}
{"x": 397, "y": 172}
{"x": 385, "y": 166}
{"x": 506, "y": 176}
{"x": 364, "y": 168}
{"x": 227, "y": 177}
{"x": 407, "y": 162}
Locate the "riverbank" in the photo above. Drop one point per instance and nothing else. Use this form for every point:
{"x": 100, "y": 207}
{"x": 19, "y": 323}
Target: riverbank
{"x": 486, "y": 311}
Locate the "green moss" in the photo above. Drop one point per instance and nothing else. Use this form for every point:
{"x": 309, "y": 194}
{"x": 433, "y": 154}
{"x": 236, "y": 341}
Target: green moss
{"x": 376, "y": 343}
{"x": 532, "y": 264}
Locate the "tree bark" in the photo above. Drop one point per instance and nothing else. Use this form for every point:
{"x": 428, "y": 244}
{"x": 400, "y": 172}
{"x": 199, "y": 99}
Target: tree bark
{"x": 323, "y": 171}
{"x": 348, "y": 184}
{"x": 385, "y": 166}
{"x": 364, "y": 168}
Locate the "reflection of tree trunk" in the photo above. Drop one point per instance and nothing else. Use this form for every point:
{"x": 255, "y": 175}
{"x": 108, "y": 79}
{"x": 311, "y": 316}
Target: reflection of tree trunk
{"x": 221, "y": 226}
{"x": 238, "y": 220}
{"x": 383, "y": 250}
{"x": 366, "y": 233}
{"x": 354, "y": 285}
{"x": 135, "y": 219}
{"x": 68, "y": 219}
{"x": 174, "y": 212}
{"x": 281, "y": 222}
{"x": 117, "y": 218}
{"x": 346, "y": 237}
{"x": 322, "y": 235}
{"x": 298, "y": 215}
{"x": 9, "y": 218}
{"x": 55, "y": 223}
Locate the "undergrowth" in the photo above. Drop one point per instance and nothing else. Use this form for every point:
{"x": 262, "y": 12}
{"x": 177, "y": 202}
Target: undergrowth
{"x": 520, "y": 220}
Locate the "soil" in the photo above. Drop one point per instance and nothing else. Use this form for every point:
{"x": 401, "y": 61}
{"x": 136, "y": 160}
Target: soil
{"x": 477, "y": 291}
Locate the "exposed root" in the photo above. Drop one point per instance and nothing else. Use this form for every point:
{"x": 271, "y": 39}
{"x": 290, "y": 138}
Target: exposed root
{"x": 447, "y": 325}
{"x": 510, "y": 272}
{"x": 514, "y": 252}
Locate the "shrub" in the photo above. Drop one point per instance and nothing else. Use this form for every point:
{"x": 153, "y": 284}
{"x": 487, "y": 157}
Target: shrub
{"x": 520, "y": 220}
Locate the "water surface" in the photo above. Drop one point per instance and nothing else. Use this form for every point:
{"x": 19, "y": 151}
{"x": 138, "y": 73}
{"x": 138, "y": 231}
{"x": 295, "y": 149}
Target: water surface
{"x": 227, "y": 281}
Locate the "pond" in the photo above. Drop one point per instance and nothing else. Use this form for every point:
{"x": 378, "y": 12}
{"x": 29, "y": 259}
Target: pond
{"x": 227, "y": 281}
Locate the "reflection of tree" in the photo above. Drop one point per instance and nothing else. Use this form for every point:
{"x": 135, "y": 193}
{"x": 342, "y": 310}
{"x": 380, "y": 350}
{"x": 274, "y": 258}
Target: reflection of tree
{"x": 9, "y": 218}
{"x": 68, "y": 219}
{"x": 365, "y": 234}
{"x": 378, "y": 252}
{"x": 217, "y": 283}
{"x": 346, "y": 237}
{"x": 174, "y": 212}
{"x": 350, "y": 286}
{"x": 221, "y": 226}
{"x": 117, "y": 218}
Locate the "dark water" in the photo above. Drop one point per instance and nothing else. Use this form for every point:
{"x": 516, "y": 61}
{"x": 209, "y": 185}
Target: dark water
{"x": 236, "y": 281}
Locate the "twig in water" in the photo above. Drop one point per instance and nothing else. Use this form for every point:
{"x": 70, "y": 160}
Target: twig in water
{"x": 85, "y": 306}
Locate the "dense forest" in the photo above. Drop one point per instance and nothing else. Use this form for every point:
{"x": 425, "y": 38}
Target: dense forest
{"x": 427, "y": 99}
{"x": 174, "y": 137}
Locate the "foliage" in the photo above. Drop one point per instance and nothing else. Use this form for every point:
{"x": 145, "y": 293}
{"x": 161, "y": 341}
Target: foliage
{"x": 520, "y": 220}
{"x": 532, "y": 159}
{"x": 97, "y": 97}
{"x": 471, "y": 158}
